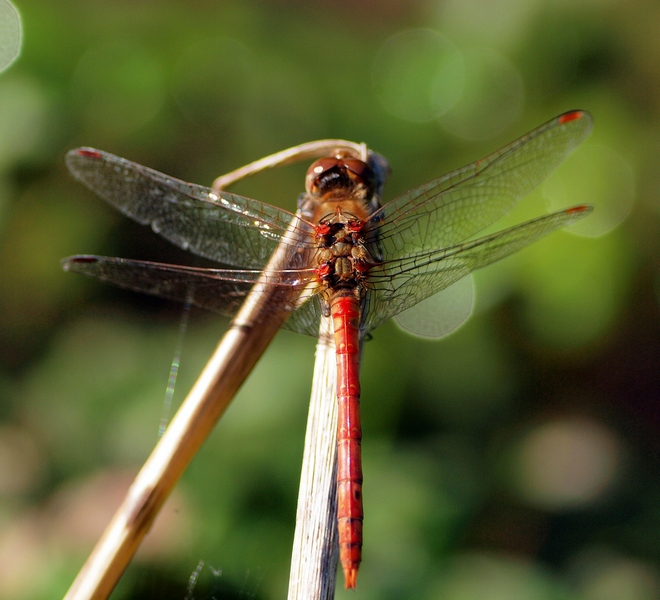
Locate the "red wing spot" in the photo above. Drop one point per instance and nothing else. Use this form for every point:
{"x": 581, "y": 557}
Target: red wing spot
{"x": 89, "y": 153}
{"x": 85, "y": 259}
{"x": 570, "y": 116}
{"x": 577, "y": 209}
{"x": 323, "y": 229}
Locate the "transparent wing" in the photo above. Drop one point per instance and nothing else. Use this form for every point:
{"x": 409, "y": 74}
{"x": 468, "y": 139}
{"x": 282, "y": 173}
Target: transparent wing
{"x": 224, "y": 227}
{"x": 400, "y": 284}
{"x": 453, "y": 208}
{"x": 219, "y": 290}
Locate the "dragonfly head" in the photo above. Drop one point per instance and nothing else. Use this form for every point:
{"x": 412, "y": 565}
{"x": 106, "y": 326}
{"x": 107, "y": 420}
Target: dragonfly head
{"x": 341, "y": 174}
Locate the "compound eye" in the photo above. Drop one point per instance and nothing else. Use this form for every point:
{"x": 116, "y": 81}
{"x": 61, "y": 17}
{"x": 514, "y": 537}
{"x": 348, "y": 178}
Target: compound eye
{"x": 318, "y": 168}
{"x": 361, "y": 171}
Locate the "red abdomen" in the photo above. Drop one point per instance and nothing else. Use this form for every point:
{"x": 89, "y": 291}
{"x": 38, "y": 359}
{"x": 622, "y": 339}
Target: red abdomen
{"x": 345, "y": 311}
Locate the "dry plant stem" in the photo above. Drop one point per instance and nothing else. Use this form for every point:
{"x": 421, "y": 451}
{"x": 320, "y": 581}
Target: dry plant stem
{"x": 240, "y": 348}
{"x": 305, "y": 151}
{"x": 315, "y": 551}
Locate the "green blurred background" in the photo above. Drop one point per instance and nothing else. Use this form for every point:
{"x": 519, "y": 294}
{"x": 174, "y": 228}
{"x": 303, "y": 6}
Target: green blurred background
{"x": 517, "y": 459}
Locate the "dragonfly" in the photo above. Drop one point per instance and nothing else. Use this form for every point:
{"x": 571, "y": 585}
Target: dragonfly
{"x": 345, "y": 255}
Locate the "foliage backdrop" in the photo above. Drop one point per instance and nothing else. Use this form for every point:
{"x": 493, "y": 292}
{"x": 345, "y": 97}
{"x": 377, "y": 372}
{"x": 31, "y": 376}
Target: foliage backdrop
{"x": 516, "y": 459}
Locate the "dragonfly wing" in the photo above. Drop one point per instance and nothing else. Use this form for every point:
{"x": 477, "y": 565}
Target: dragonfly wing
{"x": 400, "y": 284}
{"x": 218, "y": 290}
{"x": 224, "y": 227}
{"x": 306, "y": 317}
{"x": 453, "y": 208}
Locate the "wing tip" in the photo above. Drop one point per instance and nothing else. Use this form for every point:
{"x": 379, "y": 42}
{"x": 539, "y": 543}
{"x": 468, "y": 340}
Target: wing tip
{"x": 69, "y": 263}
{"x": 84, "y": 152}
{"x": 580, "y": 209}
{"x": 577, "y": 115}
{"x": 77, "y": 159}
{"x": 572, "y": 115}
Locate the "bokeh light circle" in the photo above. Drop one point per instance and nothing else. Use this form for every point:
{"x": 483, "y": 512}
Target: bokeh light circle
{"x": 418, "y": 75}
{"x": 441, "y": 314}
{"x": 211, "y": 80}
{"x": 491, "y": 99}
{"x": 595, "y": 175}
{"x": 118, "y": 88}
{"x": 491, "y": 576}
{"x": 566, "y": 464}
{"x": 10, "y": 34}
{"x": 601, "y": 573}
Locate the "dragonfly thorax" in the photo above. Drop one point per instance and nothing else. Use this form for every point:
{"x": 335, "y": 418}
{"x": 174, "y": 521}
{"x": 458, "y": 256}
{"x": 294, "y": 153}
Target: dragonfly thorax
{"x": 343, "y": 261}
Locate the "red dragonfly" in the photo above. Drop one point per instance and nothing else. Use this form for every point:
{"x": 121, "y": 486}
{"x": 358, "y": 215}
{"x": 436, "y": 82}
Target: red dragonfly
{"x": 345, "y": 255}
